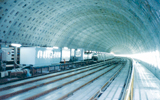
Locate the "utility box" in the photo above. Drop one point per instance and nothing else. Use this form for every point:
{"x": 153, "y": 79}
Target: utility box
{"x": 6, "y": 54}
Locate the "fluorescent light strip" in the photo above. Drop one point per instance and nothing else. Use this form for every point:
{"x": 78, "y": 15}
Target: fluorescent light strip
{"x": 15, "y": 45}
{"x": 55, "y": 47}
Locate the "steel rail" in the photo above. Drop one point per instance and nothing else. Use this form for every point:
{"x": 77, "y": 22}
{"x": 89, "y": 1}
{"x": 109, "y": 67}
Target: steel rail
{"x": 126, "y": 82}
{"x": 31, "y": 81}
{"x": 55, "y": 88}
{"x": 42, "y": 84}
{"x": 94, "y": 97}
{"x": 129, "y": 90}
{"x": 70, "y": 93}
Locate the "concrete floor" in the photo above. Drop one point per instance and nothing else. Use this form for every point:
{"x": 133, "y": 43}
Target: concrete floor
{"x": 146, "y": 84}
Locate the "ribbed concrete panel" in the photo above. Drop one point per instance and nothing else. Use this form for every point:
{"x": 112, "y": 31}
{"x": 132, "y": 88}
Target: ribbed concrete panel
{"x": 120, "y": 26}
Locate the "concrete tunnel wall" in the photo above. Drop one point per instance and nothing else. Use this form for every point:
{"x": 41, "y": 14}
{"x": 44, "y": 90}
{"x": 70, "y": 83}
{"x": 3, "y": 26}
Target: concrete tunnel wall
{"x": 153, "y": 69}
{"x": 119, "y": 26}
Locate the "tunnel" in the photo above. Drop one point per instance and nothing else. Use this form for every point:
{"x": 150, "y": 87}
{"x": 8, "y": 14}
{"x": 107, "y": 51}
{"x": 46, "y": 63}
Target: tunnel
{"x": 104, "y": 32}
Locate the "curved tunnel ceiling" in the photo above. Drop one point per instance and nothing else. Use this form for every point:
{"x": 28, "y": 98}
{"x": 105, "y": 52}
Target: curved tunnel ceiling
{"x": 119, "y": 26}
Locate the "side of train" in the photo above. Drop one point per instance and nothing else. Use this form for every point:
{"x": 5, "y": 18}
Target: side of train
{"x": 42, "y": 57}
{"x": 46, "y": 56}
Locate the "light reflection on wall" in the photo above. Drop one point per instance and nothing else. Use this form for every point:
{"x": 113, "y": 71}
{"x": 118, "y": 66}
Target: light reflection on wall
{"x": 152, "y": 58}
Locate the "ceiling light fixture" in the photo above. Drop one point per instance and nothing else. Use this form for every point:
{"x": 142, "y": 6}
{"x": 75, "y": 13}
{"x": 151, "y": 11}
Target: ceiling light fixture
{"x": 15, "y": 45}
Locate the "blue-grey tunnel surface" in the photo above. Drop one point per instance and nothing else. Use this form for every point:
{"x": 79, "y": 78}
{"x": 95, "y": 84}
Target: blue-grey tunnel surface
{"x": 121, "y": 26}
{"x": 80, "y": 49}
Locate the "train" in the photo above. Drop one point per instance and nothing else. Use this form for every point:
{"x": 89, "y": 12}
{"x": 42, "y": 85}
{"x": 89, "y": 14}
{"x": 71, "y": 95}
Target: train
{"x": 44, "y": 56}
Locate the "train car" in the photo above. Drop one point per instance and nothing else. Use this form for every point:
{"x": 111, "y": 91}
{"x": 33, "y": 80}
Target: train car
{"x": 104, "y": 56}
{"x": 45, "y": 56}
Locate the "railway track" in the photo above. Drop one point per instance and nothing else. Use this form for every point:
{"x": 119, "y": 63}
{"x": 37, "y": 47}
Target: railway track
{"x": 41, "y": 87}
{"x": 16, "y": 84}
{"x": 116, "y": 82}
{"x": 63, "y": 97}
